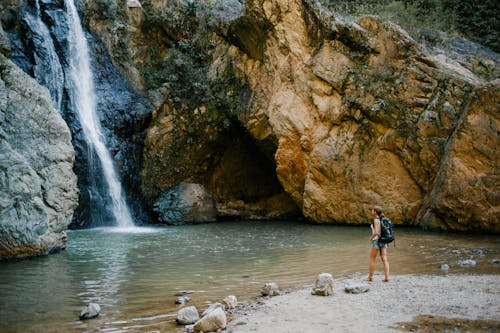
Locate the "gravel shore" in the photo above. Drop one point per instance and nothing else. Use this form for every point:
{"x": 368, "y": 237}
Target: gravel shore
{"x": 386, "y": 307}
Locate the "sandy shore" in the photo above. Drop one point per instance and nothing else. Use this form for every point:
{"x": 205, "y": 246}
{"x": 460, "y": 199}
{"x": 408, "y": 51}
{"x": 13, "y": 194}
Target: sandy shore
{"x": 378, "y": 310}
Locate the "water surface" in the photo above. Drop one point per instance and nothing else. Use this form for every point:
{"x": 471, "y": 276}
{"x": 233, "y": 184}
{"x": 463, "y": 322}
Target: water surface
{"x": 134, "y": 274}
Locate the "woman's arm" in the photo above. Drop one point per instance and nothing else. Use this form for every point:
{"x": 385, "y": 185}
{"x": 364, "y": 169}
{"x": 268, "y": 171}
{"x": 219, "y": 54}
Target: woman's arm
{"x": 376, "y": 228}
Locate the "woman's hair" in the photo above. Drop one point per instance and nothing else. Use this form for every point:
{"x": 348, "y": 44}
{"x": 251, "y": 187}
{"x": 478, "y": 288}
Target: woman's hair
{"x": 378, "y": 210}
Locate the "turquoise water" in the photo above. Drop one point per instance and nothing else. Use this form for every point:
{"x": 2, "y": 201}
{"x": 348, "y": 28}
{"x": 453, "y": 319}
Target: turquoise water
{"x": 134, "y": 276}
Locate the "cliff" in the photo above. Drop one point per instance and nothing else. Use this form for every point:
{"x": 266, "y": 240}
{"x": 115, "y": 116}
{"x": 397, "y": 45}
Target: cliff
{"x": 361, "y": 115}
{"x": 279, "y": 108}
{"x": 341, "y": 115}
{"x": 38, "y": 192}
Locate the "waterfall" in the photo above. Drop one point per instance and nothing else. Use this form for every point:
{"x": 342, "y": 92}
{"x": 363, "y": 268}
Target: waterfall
{"x": 47, "y": 69}
{"x": 83, "y": 100}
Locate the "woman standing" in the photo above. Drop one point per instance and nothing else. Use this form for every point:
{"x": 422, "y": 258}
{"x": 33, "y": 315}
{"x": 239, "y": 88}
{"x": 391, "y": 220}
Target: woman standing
{"x": 377, "y": 211}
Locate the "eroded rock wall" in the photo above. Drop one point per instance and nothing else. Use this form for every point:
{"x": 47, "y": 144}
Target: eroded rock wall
{"x": 362, "y": 116}
{"x": 349, "y": 114}
{"x": 38, "y": 192}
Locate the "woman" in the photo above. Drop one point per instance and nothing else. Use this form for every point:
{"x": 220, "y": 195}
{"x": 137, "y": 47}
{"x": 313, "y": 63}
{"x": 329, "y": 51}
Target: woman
{"x": 377, "y": 211}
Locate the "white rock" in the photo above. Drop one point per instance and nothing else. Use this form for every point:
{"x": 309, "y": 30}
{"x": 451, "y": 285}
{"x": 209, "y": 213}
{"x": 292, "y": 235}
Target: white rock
{"x": 356, "y": 287}
{"x": 444, "y": 267}
{"x": 188, "y": 315}
{"x": 468, "y": 262}
{"x": 182, "y": 299}
{"x": 270, "y": 289}
{"x": 213, "y": 321}
{"x": 323, "y": 286}
{"x": 212, "y": 307}
{"x": 230, "y": 302}
{"x": 90, "y": 311}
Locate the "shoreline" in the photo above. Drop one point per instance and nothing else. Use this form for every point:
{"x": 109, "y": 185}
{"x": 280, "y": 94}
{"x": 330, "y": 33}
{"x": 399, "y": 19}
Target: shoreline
{"x": 386, "y": 307}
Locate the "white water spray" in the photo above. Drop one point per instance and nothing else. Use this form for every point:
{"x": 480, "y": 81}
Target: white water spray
{"x": 84, "y": 103}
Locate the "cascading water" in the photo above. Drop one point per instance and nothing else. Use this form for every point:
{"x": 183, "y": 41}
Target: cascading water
{"x": 47, "y": 68}
{"x": 83, "y": 100}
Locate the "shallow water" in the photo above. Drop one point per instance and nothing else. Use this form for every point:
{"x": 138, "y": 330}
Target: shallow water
{"x": 135, "y": 273}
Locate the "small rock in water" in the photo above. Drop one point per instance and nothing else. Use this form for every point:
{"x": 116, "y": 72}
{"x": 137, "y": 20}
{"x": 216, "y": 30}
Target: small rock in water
{"x": 212, "y": 307}
{"x": 182, "y": 300}
{"x": 213, "y": 321}
{"x": 356, "y": 287}
{"x": 188, "y": 315}
{"x": 468, "y": 262}
{"x": 495, "y": 261}
{"x": 323, "y": 286}
{"x": 90, "y": 311}
{"x": 230, "y": 302}
{"x": 270, "y": 289}
{"x": 444, "y": 267}
{"x": 478, "y": 251}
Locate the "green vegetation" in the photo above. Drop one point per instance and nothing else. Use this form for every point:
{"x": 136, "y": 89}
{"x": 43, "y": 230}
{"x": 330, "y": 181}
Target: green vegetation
{"x": 478, "y": 21}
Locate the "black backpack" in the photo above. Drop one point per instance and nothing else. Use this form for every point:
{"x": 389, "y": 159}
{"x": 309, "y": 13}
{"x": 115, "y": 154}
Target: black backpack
{"x": 386, "y": 231}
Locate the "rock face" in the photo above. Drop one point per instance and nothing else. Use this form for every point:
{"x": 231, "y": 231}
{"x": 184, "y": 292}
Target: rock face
{"x": 38, "y": 192}
{"x": 39, "y": 45}
{"x": 361, "y": 115}
{"x": 280, "y": 108}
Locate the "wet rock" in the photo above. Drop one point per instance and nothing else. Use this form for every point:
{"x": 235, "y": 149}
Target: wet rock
{"x": 230, "y": 302}
{"x": 466, "y": 263}
{"x": 356, "y": 287}
{"x": 444, "y": 267}
{"x": 188, "y": 315}
{"x": 323, "y": 286}
{"x": 478, "y": 252}
{"x": 213, "y": 321}
{"x": 182, "y": 299}
{"x": 495, "y": 261}
{"x": 270, "y": 289}
{"x": 92, "y": 310}
{"x": 212, "y": 307}
{"x": 185, "y": 202}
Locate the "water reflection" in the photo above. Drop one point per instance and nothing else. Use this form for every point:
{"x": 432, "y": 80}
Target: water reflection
{"x": 134, "y": 275}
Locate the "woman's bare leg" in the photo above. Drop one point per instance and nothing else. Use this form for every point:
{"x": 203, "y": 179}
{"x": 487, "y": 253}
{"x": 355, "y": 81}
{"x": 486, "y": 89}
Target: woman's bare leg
{"x": 373, "y": 256}
{"x": 385, "y": 261}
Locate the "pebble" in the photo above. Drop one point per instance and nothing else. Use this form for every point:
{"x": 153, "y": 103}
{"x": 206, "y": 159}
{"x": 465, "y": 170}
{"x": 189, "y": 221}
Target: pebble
{"x": 444, "y": 267}
{"x": 468, "y": 262}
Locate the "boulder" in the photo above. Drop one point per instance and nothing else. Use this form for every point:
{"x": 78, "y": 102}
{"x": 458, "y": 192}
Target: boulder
{"x": 323, "y": 286}
{"x": 230, "y": 302}
{"x": 38, "y": 190}
{"x": 92, "y": 310}
{"x": 356, "y": 287}
{"x": 215, "y": 320}
{"x": 185, "y": 202}
{"x": 188, "y": 315}
{"x": 212, "y": 307}
{"x": 270, "y": 289}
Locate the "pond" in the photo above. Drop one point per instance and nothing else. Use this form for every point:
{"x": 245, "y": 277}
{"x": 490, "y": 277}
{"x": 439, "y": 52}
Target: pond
{"x": 135, "y": 274}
